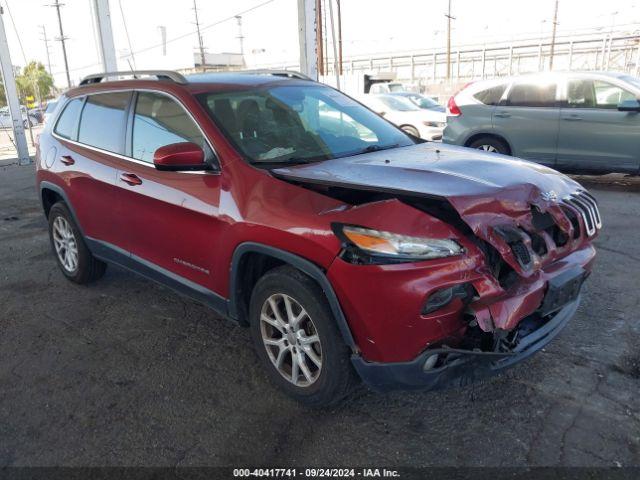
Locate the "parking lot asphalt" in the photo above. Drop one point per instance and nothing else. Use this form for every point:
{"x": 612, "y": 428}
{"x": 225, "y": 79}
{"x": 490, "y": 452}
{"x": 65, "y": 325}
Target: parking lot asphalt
{"x": 125, "y": 372}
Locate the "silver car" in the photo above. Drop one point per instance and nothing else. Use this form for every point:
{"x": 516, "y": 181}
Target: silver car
{"x": 570, "y": 121}
{"x": 5, "y": 118}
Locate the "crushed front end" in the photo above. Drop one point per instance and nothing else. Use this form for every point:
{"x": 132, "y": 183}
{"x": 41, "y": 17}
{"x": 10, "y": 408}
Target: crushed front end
{"x": 430, "y": 324}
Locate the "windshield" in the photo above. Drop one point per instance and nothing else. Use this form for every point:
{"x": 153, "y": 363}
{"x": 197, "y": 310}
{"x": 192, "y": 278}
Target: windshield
{"x": 299, "y": 124}
{"x": 399, "y": 104}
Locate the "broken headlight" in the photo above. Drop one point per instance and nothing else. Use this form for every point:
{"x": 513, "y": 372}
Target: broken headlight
{"x": 392, "y": 246}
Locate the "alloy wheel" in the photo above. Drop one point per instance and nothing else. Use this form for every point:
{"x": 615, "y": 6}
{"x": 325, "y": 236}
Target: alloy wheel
{"x": 488, "y": 148}
{"x": 291, "y": 340}
{"x": 65, "y": 244}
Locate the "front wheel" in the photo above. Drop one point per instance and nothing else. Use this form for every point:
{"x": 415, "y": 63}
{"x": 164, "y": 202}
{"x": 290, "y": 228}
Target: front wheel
{"x": 297, "y": 340}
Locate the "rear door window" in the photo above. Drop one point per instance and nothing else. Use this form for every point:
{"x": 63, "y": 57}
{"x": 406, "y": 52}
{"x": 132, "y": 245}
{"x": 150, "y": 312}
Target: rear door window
{"x": 103, "y": 120}
{"x": 68, "y": 123}
{"x": 580, "y": 94}
{"x": 532, "y": 94}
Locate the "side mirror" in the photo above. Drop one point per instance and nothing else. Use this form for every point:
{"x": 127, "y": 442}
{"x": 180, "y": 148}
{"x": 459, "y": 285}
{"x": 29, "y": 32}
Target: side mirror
{"x": 179, "y": 157}
{"x": 629, "y": 106}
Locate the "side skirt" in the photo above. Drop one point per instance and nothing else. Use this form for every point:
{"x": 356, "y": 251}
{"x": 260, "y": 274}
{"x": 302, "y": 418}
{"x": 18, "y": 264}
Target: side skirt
{"x": 112, "y": 254}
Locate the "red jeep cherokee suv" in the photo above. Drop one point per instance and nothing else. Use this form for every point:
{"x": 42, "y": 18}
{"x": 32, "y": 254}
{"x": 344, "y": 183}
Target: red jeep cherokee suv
{"x": 350, "y": 248}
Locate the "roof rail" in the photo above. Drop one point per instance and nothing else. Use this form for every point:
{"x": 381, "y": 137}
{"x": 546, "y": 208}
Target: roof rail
{"x": 278, "y": 73}
{"x": 159, "y": 74}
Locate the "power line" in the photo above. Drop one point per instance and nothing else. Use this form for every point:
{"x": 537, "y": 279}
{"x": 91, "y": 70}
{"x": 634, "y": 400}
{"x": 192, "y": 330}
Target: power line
{"x": 13, "y": 23}
{"x": 179, "y": 37}
{"x": 206, "y": 27}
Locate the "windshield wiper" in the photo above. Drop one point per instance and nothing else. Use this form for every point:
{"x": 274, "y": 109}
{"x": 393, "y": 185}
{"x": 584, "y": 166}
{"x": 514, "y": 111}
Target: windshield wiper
{"x": 376, "y": 148}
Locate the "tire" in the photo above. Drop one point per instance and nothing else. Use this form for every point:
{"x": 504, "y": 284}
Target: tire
{"x": 69, "y": 248}
{"x": 491, "y": 145}
{"x": 333, "y": 378}
{"x": 411, "y": 130}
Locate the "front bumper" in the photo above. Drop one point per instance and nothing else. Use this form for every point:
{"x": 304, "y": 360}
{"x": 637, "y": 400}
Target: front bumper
{"x": 432, "y": 134}
{"x": 460, "y": 367}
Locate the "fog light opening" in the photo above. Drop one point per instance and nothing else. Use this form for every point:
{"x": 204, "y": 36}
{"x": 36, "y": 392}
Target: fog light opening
{"x": 430, "y": 362}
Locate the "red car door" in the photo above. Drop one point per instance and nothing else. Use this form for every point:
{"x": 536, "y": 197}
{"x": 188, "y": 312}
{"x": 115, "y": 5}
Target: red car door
{"x": 170, "y": 218}
{"x": 88, "y": 161}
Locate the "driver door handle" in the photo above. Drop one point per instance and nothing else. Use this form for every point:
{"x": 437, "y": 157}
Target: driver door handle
{"x": 131, "y": 179}
{"x": 67, "y": 160}
{"x": 503, "y": 114}
{"x": 572, "y": 118}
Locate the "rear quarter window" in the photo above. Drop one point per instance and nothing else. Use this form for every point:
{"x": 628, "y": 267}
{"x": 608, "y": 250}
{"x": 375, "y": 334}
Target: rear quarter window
{"x": 67, "y": 124}
{"x": 490, "y": 96}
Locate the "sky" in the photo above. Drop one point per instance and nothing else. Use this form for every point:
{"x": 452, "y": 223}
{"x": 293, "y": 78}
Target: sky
{"x": 270, "y": 28}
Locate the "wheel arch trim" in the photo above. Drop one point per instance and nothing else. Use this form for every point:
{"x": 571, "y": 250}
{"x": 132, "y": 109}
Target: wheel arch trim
{"x": 45, "y": 185}
{"x": 302, "y": 264}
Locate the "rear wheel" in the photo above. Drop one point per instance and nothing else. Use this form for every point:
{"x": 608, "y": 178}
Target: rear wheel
{"x": 297, "y": 340}
{"x": 491, "y": 145}
{"x": 73, "y": 257}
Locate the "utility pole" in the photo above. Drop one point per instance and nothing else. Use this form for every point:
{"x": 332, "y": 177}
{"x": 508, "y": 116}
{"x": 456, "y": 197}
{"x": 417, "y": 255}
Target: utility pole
{"x": 339, "y": 36}
{"x": 336, "y": 69}
{"x": 553, "y": 35}
{"x": 307, "y": 37}
{"x": 61, "y": 39}
{"x": 240, "y": 37}
{"x": 6, "y": 68}
{"x": 46, "y": 47}
{"x": 200, "y": 44}
{"x": 449, "y": 18}
{"x": 319, "y": 41}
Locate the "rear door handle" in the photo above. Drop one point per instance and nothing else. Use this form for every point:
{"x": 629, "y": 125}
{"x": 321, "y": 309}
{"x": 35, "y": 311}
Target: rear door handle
{"x": 67, "y": 160}
{"x": 503, "y": 114}
{"x": 130, "y": 178}
{"x": 572, "y": 118}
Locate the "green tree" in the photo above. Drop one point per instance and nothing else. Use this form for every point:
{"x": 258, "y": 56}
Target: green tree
{"x": 34, "y": 81}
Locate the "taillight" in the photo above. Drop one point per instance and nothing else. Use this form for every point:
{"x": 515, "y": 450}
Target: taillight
{"x": 452, "y": 108}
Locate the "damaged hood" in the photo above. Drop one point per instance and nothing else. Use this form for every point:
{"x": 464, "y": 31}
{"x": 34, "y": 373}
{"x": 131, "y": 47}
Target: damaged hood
{"x": 437, "y": 171}
{"x": 491, "y": 193}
